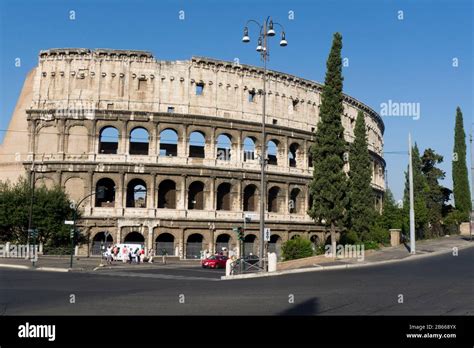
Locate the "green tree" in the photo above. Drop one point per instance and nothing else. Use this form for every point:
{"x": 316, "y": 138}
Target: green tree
{"x": 362, "y": 211}
{"x": 462, "y": 194}
{"x": 329, "y": 185}
{"x": 435, "y": 194}
{"x": 50, "y": 208}
{"x": 420, "y": 189}
{"x": 392, "y": 215}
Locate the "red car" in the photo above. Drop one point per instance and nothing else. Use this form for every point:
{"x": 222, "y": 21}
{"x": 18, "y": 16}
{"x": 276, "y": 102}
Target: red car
{"x": 214, "y": 261}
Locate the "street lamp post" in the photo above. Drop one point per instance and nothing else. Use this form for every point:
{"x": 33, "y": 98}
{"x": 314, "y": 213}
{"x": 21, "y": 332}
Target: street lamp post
{"x": 266, "y": 30}
{"x": 74, "y": 217}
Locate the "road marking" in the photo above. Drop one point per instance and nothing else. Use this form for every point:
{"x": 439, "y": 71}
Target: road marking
{"x": 153, "y": 275}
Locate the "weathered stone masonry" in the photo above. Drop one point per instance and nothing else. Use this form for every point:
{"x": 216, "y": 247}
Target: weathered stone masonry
{"x": 80, "y": 109}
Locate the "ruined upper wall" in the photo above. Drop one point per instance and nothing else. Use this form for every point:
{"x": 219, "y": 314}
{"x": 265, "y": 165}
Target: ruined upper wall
{"x": 135, "y": 80}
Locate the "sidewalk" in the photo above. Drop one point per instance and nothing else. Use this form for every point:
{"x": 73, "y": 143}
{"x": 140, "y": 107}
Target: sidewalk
{"x": 62, "y": 264}
{"x": 424, "y": 248}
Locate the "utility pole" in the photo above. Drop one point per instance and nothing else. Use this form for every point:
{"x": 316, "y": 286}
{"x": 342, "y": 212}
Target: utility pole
{"x": 30, "y": 215}
{"x": 472, "y": 186}
{"x": 412, "y": 209}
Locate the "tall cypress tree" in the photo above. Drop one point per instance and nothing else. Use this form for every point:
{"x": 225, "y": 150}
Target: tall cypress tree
{"x": 462, "y": 195}
{"x": 329, "y": 184}
{"x": 361, "y": 212}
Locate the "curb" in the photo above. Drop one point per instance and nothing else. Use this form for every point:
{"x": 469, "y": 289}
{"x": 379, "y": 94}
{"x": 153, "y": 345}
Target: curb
{"x": 6, "y": 265}
{"x": 43, "y": 269}
{"x": 328, "y": 268}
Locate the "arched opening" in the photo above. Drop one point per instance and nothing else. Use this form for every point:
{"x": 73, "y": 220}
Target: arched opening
{"x": 273, "y": 195}
{"x": 314, "y": 241}
{"x": 105, "y": 193}
{"x": 136, "y": 194}
{"x": 250, "y": 200}
{"x": 295, "y": 204}
{"x": 134, "y": 237}
{"x": 249, "y": 149}
{"x": 250, "y": 245}
{"x": 196, "y": 196}
{"x": 194, "y": 246}
{"x": 167, "y": 194}
{"x": 295, "y": 236}
{"x": 168, "y": 143}
{"x": 272, "y": 152}
{"x": 292, "y": 154}
{"x": 223, "y": 197}
{"x": 274, "y": 245}
{"x": 222, "y": 241}
{"x": 197, "y": 144}
{"x": 310, "y": 158}
{"x": 139, "y": 141}
{"x": 164, "y": 243}
{"x": 224, "y": 146}
{"x": 99, "y": 243}
{"x": 108, "y": 140}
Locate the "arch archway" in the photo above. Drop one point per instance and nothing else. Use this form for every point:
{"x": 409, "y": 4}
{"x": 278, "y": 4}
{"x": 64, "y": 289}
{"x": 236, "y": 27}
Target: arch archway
{"x": 139, "y": 141}
{"x": 196, "y": 196}
{"x": 108, "y": 140}
{"x": 223, "y": 147}
{"x": 105, "y": 193}
{"x": 197, "y": 145}
{"x": 134, "y": 237}
{"x": 168, "y": 142}
{"x": 273, "y": 205}
{"x": 224, "y": 197}
{"x": 194, "y": 246}
{"x": 274, "y": 245}
{"x": 250, "y": 198}
{"x": 167, "y": 194}
{"x": 249, "y": 149}
{"x": 250, "y": 245}
{"x": 136, "y": 194}
{"x": 165, "y": 242}
{"x": 222, "y": 241}
{"x": 100, "y": 241}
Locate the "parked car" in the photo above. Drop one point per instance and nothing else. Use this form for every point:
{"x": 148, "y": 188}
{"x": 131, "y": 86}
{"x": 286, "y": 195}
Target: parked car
{"x": 214, "y": 261}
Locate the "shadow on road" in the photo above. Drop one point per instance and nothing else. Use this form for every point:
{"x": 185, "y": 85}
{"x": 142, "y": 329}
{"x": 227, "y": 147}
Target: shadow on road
{"x": 308, "y": 307}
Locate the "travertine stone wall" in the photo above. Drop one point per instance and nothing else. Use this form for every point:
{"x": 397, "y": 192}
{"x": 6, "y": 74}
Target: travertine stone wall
{"x": 74, "y": 94}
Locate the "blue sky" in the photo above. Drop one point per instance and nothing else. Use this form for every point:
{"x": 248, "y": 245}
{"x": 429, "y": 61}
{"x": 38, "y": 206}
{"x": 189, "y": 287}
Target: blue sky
{"x": 409, "y": 60}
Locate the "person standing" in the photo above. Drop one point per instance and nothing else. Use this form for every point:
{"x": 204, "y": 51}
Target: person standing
{"x": 164, "y": 256}
{"x": 124, "y": 254}
{"x": 150, "y": 255}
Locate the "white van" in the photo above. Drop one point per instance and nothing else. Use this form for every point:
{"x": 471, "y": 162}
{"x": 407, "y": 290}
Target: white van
{"x": 129, "y": 246}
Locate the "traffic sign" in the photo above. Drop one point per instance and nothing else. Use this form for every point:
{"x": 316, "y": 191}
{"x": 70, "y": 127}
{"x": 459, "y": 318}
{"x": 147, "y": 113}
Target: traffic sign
{"x": 266, "y": 234}
{"x": 69, "y": 222}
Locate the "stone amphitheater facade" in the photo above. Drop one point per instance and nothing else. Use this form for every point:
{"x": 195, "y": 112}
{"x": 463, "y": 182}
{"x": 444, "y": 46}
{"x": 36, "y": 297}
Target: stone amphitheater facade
{"x": 194, "y": 172}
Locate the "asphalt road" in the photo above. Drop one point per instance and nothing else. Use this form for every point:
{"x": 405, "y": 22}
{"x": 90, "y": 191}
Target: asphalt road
{"x": 438, "y": 285}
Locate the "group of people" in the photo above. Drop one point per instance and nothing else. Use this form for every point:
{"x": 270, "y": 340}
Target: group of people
{"x": 128, "y": 254}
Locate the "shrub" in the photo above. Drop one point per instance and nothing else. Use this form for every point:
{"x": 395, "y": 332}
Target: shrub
{"x": 349, "y": 237}
{"x": 296, "y": 249}
{"x": 379, "y": 235}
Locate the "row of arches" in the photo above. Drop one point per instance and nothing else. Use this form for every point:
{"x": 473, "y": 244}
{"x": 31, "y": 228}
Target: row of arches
{"x": 136, "y": 196}
{"x": 139, "y": 145}
{"x": 165, "y": 242}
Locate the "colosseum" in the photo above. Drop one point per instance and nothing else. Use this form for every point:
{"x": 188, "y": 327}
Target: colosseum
{"x": 168, "y": 151}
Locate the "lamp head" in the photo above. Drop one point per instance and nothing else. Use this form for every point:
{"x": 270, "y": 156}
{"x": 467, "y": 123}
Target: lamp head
{"x": 246, "y": 37}
{"x": 283, "y": 41}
